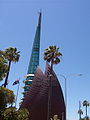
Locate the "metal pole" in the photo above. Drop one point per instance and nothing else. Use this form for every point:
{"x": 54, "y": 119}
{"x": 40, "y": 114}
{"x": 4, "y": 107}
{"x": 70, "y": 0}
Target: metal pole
{"x": 65, "y": 91}
{"x": 65, "y": 78}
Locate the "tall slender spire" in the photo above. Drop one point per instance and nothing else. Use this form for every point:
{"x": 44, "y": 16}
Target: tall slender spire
{"x": 34, "y": 59}
{"x": 39, "y": 21}
{"x": 35, "y": 50}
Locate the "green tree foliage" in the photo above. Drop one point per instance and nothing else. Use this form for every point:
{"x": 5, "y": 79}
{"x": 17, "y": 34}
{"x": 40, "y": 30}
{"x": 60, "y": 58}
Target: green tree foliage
{"x": 11, "y": 55}
{"x": 52, "y": 55}
{"x": 22, "y": 114}
{"x": 3, "y": 67}
{"x": 9, "y": 114}
{"x": 6, "y": 97}
{"x": 85, "y": 118}
{"x": 55, "y": 117}
{"x": 13, "y": 114}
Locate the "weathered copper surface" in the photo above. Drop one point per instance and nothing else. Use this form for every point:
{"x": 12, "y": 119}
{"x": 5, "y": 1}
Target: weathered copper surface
{"x": 36, "y": 100}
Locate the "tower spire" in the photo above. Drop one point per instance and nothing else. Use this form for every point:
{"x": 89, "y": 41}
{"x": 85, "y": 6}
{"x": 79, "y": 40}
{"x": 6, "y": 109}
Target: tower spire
{"x": 39, "y": 20}
{"x": 34, "y": 59}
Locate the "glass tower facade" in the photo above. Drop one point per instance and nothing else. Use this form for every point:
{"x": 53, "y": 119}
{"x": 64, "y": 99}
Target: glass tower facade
{"x": 34, "y": 59}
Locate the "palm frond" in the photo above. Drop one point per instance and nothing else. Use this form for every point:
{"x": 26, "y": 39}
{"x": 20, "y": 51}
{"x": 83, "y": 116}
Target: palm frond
{"x": 52, "y": 54}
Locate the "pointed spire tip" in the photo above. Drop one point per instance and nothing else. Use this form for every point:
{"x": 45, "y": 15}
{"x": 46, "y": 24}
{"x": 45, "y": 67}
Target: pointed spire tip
{"x": 39, "y": 21}
{"x": 40, "y": 11}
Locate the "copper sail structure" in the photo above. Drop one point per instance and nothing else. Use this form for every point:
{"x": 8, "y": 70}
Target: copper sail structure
{"x": 34, "y": 59}
{"x": 36, "y": 100}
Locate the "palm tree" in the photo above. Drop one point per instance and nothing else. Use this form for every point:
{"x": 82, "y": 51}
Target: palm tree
{"x": 52, "y": 55}
{"x": 12, "y": 55}
{"x": 86, "y": 104}
{"x": 55, "y": 117}
{"x": 80, "y": 112}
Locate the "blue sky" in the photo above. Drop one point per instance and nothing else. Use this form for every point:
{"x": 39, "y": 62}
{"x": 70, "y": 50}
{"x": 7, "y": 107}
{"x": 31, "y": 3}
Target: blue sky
{"x": 65, "y": 23}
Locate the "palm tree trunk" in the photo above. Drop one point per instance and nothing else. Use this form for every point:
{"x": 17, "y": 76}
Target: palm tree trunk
{"x": 51, "y": 66}
{"x": 79, "y": 116}
{"x": 6, "y": 79}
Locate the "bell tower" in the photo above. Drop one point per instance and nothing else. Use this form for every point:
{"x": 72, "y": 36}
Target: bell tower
{"x": 34, "y": 59}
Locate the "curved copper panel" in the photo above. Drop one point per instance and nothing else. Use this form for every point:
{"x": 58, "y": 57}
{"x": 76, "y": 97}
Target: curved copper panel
{"x": 36, "y": 100}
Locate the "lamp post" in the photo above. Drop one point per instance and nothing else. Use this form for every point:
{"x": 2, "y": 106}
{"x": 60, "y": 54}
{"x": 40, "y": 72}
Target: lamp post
{"x": 65, "y": 78}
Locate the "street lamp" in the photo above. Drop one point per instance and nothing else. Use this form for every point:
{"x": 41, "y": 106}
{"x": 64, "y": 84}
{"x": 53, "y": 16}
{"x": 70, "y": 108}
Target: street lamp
{"x": 65, "y": 78}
